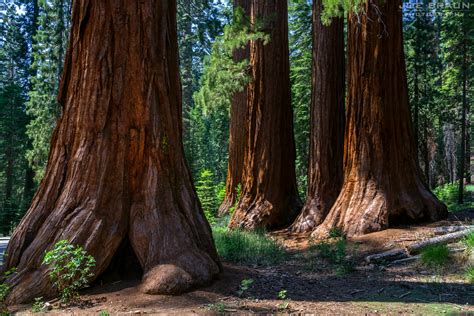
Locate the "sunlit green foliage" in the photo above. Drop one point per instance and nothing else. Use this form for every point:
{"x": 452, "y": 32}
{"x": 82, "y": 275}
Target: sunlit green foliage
{"x": 300, "y": 41}
{"x": 448, "y": 194}
{"x": 435, "y": 256}
{"x": 208, "y": 194}
{"x": 339, "y": 8}
{"x": 70, "y": 269}
{"x": 48, "y": 53}
{"x": 247, "y": 247}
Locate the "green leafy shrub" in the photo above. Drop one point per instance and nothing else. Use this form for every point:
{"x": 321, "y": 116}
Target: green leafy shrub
{"x": 216, "y": 307}
{"x": 247, "y": 247}
{"x": 38, "y": 305}
{"x": 336, "y": 254}
{"x": 282, "y": 294}
{"x": 69, "y": 269}
{"x": 245, "y": 285}
{"x": 5, "y": 289}
{"x": 435, "y": 256}
{"x": 448, "y": 194}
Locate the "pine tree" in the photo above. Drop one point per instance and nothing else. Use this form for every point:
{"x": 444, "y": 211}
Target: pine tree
{"x": 300, "y": 42}
{"x": 458, "y": 51}
{"x": 48, "y": 53}
{"x": 14, "y": 60}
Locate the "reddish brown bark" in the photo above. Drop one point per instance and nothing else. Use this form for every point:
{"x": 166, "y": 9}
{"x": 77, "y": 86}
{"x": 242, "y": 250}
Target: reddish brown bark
{"x": 238, "y": 135}
{"x": 327, "y": 121}
{"x": 269, "y": 196}
{"x": 382, "y": 182}
{"x": 116, "y": 170}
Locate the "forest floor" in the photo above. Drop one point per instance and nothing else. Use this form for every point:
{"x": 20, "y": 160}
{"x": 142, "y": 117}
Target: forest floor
{"x": 306, "y": 283}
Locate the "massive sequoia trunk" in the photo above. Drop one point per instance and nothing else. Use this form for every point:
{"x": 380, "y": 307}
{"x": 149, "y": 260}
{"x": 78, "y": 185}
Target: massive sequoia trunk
{"x": 382, "y": 182}
{"x": 238, "y": 135}
{"x": 269, "y": 195}
{"x": 327, "y": 121}
{"x": 116, "y": 172}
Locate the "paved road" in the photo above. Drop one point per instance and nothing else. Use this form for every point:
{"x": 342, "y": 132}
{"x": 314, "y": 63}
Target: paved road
{"x": 3, "y": 246}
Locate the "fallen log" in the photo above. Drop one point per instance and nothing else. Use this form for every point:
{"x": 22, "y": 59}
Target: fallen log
{"x": 442, "y": 230}
{"x": 444, "y": 239}
{"x": 390, "y": 255}
{"x": 404, "y": 253}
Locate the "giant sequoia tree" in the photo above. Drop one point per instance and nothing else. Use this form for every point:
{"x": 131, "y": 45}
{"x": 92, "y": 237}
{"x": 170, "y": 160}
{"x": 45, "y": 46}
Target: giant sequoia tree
{"x": 327, "y": 121}
{"x": 269, "y": 195}
{"x": 116, "y": 173}
{"x": 382, "y": 182}
{"x": 238, "y": 133}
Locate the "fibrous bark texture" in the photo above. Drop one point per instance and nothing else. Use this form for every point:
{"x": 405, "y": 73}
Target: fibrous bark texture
{"x": 269, "y": 195}
{"x": 382, "y": 182}
{"x": 238, "y": 135}
{"x": 327, "y": 122}
{"x": 116, "y": 169}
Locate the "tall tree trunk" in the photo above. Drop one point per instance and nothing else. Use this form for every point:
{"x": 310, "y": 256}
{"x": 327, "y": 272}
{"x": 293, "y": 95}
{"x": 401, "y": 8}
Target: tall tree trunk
{"x": 116, "y": 171}
{"x": 29, "y": 184}
{"x": 382, "y": 181}
{"x": 238, "y": 135}
{"x": 468, "y": 150}
{"x": 327, "y": 121}
{"x": 426, "y": 154}
{"x": 8, "y": 198}
{"x": 269, "y": 194}
{"x": 186, "y": 59}
{"x": 462, "y": 162}
{"x": 416, "y": 116}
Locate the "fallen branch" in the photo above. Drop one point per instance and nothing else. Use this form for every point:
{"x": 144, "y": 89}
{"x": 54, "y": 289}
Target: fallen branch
{"x": 444, "y": 239}
{"x": 390, "y": 255}
{"x": 442, "y": 230}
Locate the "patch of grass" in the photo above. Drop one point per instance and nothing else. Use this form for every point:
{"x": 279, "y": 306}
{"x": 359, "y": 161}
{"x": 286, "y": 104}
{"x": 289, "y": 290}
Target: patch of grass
{"x": 435, "y": 256}
{"x": 448, "y": 194}
{"x": 247, "y": 247}
{"x": 469, "y": 241}
{"x": 216, "y": 307}
{"x": 335, "y": 233}
{"x": 469, "y": 274}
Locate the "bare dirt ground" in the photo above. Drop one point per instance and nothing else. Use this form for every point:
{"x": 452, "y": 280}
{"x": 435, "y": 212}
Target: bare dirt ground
{"x": 312, "y": 286}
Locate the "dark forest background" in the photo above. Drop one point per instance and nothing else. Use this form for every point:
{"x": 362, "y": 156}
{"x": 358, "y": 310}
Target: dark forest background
{"x": 33, "y": 40}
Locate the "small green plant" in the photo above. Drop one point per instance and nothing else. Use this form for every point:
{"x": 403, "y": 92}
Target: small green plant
{"x": 216, "y": 307}
{"x": 5, "y": 289}
{"x": 70, "y": 269}
{"x": 435, "y": 256}
{"x": 335, "y": 233}
{"x": 104, "y": 313}
{"x": 245, "y": 285}
{"x": 38, "y": 305}
{"x": 282, "y": 294}
{"x": 283, "y": 306}
{"x": 469, "y": 274}
{"x": 336, "y": 254}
